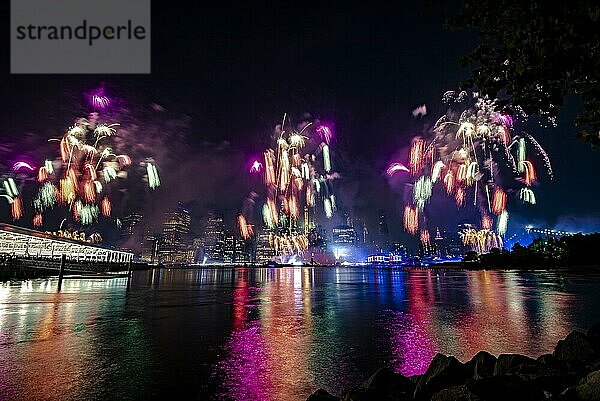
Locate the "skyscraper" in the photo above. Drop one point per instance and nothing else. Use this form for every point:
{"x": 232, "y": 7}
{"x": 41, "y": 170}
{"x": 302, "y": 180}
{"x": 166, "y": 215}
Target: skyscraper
{"x": 150, "y": 245}
{"x": 344, "y": 235}
{"x": 382, "y": 231}
{"x": 129, "y": 224}
{"x": 214, "y": 236}
{"x": 264, "y": 250}
{"x": 241, "y": 254}
{"x": 228, "y": 248}
{"x": 174, "y": 244}
{"x": 382, "y": 225}
{"x": 132, "y": 233}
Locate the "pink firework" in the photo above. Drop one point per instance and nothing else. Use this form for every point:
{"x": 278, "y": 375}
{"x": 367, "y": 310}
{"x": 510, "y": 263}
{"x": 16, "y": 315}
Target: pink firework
{"x": 256, "y": 167}
{"x": 325, "y": 133}
{"x": 19, "y": 165}
{"x": 395, "y": 168}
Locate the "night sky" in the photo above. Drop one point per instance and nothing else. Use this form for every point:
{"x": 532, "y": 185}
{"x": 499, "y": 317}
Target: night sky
{"x": 225, "y": 75}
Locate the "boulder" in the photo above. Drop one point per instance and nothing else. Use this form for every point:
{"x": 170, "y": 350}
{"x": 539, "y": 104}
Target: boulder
{"x": 569, "y": 367}
{"x": 548, "y": 379}
{"x": 514, "y": 363}
{"x": 588, "y": 388}
{"x": 547, "y": 359}
{"x": 501, "y": 388}
{"x": 359, "y": 394}
{"x": 322, "y": 395}
{"x": 593, "y": 335}
{"x": 575, "y": 346}
{"x": 385, "y": 384}
{"x": 481, "y": 365}
{"x": 356, "y": 395}
{"x": 454, "y": 393}
{"x": 443, "y": 372}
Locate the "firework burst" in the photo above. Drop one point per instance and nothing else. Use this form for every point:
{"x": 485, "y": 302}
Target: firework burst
{"x": 473, "y": 155}
{"x": 297, "y": 176}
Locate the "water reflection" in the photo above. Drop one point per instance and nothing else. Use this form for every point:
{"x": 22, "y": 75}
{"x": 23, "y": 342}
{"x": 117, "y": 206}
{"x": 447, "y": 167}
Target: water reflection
{"x": 304, "y": 334}
{"x": 270, "y": 334}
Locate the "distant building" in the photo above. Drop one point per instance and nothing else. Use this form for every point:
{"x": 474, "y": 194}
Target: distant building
{"x": 228, "y": 248}
{"x": 128, "y": 225}
{"x": 198, "y": 248}
{"x": 382, "y": 230}
{"x": 242, "y": 252}
{"x": 382, "y": 223}
{"x": 174, "y": 245}
{"x": 214, "y": 237}
{"x": 150, "y": 241}
{"x": 264, "y": 250}
{"x": 399, "y": 249}
{"x": 343, "y": 243}
{"x": 344, "y": 235}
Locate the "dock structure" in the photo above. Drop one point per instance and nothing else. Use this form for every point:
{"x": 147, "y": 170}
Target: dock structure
{"x": 25, "y": 243}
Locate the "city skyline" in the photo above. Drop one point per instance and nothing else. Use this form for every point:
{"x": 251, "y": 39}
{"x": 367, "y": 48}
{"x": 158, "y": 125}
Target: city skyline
{"x": 209, "y": 133}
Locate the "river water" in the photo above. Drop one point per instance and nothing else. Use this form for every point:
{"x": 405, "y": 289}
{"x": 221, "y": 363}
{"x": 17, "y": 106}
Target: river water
{"x": 270, "y": 334}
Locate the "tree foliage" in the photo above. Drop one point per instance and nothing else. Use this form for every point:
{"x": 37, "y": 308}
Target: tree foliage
{"x": 533, "y": 54}
{"x": 568, "y": 251}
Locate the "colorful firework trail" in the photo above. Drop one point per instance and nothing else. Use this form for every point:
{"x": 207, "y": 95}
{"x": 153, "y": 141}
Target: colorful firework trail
{"x": 297, "y": 179}
{"x": 80, "y": 179}
{"x": 477, "y": 160}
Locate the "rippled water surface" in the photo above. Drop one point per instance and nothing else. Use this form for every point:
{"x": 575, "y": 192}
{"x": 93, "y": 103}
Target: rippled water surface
{"x": 270, "y": 334}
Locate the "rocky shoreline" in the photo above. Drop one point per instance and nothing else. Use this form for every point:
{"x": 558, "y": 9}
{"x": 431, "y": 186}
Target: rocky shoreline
{"x": 570, "y": 373}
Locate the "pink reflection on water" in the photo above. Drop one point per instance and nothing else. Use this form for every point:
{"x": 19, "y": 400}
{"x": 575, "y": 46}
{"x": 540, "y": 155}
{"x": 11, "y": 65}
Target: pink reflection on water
{"x": 411, "y": 343}
{"x": 411, "y": 347}
{"x": 267, "y": 359}
{"x": 248, "y": 371}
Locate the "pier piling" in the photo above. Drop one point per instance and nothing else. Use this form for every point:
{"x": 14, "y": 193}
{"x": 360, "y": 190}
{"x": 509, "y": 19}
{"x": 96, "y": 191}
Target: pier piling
{"x": 128, "y": 274}
{"x": 63, "y": 261}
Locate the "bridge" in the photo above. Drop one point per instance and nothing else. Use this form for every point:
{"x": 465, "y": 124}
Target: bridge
{"x": 25, "y": 243}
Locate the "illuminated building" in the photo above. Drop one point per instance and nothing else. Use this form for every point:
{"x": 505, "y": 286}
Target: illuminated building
{"x": 150, "y": 246}
{"x": 128, "y": 225}
{"x": 264, "y": 251}
{"x": 132, "y": 234}
{"x": 198, "y": 249}
{"x": 228, "y": 248}
{"x": 241, "y": 254}
{"x": 214, "y": 237}
{"x": 344, "y": 235}
{"x": 343, "y": 238}
{"x": 173, "y": 246}
{"x": 18, "y": 241}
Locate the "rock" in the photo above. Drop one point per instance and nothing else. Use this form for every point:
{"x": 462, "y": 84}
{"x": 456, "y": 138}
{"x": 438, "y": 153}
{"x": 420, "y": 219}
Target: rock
{"x": 501, "y": 388}
{"x": 588, "y": 388}
{"x": 356, "y": 395}
{"x": 454, "y": 393}
{"x": 322, "y": 395}
{"x": 575, "y": 346}
{"x": 593, "y": 335}
{"x": 548, "y": 379}
{"x": 386, "y": 384}
{"x": 382, "y": 385}
{"x": 547, "y": 359}
{"x": 514, "y": 363}
{"x": 481, "y": 365}
{"x": 443, "y": 372}
{"x": 570, "y": 367}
